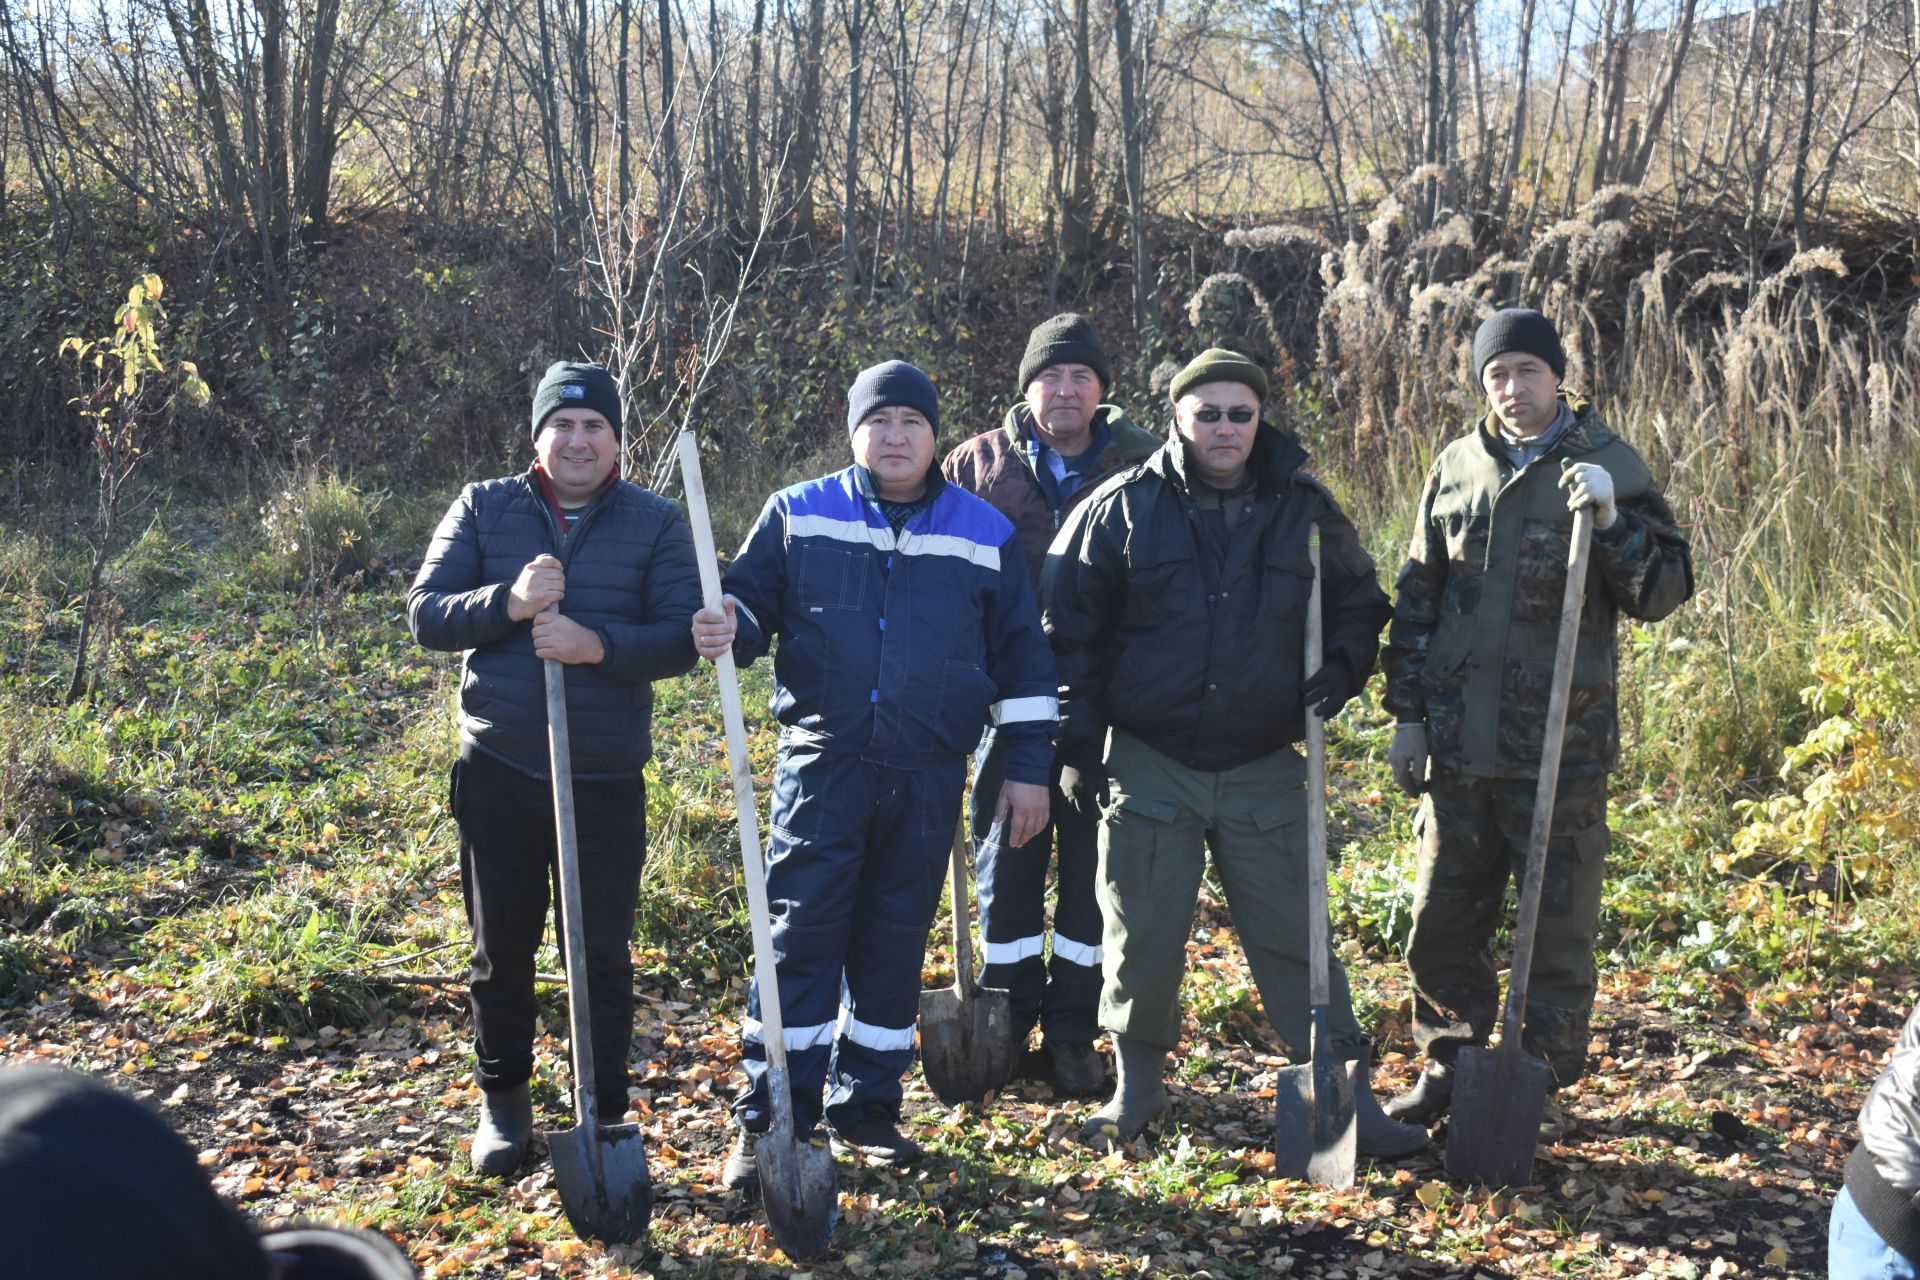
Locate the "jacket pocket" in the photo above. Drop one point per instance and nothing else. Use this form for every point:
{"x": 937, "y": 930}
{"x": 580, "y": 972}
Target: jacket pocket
{"x": 831, "y": 577}
{"x": 1155, "y": 582}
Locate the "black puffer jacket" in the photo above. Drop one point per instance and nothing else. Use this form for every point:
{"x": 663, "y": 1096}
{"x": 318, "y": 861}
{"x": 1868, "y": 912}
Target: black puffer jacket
{"x": 631, "y": 577}
{"x": 1207, "y": 672}
{"x": 1884, "y": 1172}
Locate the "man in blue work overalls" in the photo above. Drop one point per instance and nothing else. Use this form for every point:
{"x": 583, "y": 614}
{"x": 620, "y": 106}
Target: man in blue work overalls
{"x": 906, "y": 625}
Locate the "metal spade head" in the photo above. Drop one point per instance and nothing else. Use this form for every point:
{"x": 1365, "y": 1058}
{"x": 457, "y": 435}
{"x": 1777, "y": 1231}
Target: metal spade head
{"x": 966, "y": 1042}
{"x": 798, "y": 1188}
{"x": 1499, "y": 1096}
{"x": 603, "y": 1181}
{"x": 1314, "y": 1134}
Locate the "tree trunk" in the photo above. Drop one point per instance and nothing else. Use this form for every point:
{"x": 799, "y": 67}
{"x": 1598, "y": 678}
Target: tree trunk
{"x": 1132, "y": 158}
{"x": 1076, "y": 211}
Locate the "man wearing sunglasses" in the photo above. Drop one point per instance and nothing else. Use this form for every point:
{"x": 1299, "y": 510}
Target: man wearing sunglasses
{"x": 1175, "y": 598}
{"x": 1056, "y": 446}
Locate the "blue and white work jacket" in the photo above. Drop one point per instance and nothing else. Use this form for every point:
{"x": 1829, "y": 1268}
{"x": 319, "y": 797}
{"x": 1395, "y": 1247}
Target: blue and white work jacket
{"x": 898, "y": 648}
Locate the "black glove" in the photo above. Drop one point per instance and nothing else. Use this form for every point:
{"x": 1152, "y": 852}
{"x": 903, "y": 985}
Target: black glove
{"x": 1330, "y": 688}
{"x": 1083, "y": 776}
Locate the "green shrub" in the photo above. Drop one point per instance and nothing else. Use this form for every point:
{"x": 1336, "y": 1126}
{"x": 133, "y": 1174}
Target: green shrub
{"x": 319, "y": 529}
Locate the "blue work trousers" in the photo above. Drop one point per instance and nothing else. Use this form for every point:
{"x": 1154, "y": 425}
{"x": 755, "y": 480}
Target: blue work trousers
{"x": 856, "y": 858}
{"x": 1058, "y": 987}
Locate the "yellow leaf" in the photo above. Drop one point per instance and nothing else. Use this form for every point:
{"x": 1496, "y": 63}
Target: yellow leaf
{"x": 1776, "y": 1257}
{"x": 329, "y": 832}
{"x": 1653, "y": 1195}
{"x": 1429, "y": 1194}
{"x": 153, "y": 285}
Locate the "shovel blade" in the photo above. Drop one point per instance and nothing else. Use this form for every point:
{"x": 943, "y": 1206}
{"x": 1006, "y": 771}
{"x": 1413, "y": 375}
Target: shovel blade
{"x": 1499, "y": 1097}
{"x": 603, "y": 1181}
{"x": 966, "y": 1044}
{"x": 1314, "y": 1122}
{"x": 798, "y": 1188}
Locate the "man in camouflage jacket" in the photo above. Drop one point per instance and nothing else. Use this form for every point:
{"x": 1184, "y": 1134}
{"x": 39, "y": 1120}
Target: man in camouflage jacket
{"x": 1469, "y": 660}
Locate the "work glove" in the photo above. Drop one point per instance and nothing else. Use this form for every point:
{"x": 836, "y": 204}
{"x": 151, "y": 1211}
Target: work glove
{"x": 1329, "y": 689}
{"x": 1083, "y": 776}
{"x": 1408, "y": 757}
{"x": 1588, "y": 485}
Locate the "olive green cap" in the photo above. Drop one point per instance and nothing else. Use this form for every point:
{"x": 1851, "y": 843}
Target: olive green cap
{"x": 1217, "y": 364}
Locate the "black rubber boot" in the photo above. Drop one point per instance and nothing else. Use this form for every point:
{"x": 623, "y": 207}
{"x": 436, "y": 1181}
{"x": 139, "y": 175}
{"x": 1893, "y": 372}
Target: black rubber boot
{"x": 506, "y": 1125}
{"x": 876, "y": 1139}
{"x": 1377, "y": 1135}
{"x": 1139, "y": 1095}
{"x": 1075, "y": 1069}
{"x": 1429, "y": 1098}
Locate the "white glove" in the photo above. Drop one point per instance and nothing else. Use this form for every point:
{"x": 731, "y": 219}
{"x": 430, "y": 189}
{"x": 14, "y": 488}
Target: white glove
{"x": 1408, "y": 757}
{"x": 1589, "y": 485}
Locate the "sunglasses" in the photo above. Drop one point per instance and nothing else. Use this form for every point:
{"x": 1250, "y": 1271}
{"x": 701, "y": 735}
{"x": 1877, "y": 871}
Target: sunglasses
{"x": 1210, "y": 414}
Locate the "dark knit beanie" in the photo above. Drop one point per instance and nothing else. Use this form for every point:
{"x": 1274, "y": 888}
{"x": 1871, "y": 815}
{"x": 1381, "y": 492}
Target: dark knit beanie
{"x": 1217, "y": 364}
{"x": 576, "y": 386}
{"x": 1518, "y": 329}
{"x": 894, "y": 382}
{"x": 1066, "y": 339}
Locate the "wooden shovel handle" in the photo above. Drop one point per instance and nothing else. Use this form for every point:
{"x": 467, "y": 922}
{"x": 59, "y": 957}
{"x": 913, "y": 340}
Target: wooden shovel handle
{"x": 572, "y": 923}
{"x": 1552, "y": 740}
{"x": 962, "y": 911}
{"x": 772, "y": 1028}
{"x": 1319, "y": 980}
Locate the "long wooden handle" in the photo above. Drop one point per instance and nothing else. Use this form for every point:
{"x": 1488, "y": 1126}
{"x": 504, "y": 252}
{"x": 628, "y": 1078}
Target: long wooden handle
{"x": 773, "y": 1028}
{"x": 1319, "y": 980}
{"x": 572, "y": 923}
{"x": 1553, "y": 739}
{"x": 962, "y": 911}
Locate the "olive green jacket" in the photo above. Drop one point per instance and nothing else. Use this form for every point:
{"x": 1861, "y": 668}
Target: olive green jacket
{"x": 1476, "y": 609}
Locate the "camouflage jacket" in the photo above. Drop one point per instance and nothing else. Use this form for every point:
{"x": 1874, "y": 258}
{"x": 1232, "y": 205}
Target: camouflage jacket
{"x": 1476, "y": 608}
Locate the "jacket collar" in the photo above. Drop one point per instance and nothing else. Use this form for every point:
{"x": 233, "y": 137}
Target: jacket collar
{"x": 1586, "y": 434}
{"x": 1275, "y": 458}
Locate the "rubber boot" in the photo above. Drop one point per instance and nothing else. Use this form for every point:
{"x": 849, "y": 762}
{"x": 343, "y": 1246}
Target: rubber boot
{"x": 1376, "y": 1135}
{"x": 506, "y": 1125}
{"x": 1076, "y": 1070}
{"x": 1429, "y": 1098}
{"x": 1139, "y": 1095}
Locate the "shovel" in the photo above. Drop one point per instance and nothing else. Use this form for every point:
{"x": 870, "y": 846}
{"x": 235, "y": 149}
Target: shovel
{"x": 601, "y": 1172}
{"x": 796, "y": 1178}
{"x": 966, "y": 1031}
{"x": 1500, "y": 1094}
{"x": 1314, "y": 1129}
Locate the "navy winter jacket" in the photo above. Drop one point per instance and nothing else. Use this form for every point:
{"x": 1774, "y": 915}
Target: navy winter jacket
{"x": 631, "y": 577}
{"x": 901, "y": 649}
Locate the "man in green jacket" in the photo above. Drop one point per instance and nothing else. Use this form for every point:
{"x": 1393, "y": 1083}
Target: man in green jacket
{"x": 1176, "y": 600}
{"x": 1469, "y": 659}
{"x": 1055, "y": 447}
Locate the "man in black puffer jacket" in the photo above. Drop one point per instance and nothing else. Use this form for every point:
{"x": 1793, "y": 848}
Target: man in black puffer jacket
{"x": 1876, "y": 1219}
{"x": 1175, "y": 598}
{"x": 565, "y": 561}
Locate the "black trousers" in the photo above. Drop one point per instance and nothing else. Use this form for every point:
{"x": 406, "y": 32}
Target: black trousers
{"x": 508, "y": 864}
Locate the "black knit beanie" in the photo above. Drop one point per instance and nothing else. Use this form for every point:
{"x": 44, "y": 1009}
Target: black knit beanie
{"x": 894, "y": 382}
{"x": 1065, "y": 339}
{"x": 1218, "y": 364}
{"x": 94, "y": 1184}
{"x": 1518, "y": 329}
{"x": 576, "y": 386}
